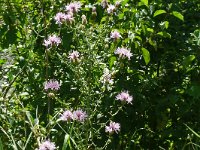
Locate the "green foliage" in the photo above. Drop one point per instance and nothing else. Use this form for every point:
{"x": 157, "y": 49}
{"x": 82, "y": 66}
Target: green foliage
{"x": 162, "y": 75}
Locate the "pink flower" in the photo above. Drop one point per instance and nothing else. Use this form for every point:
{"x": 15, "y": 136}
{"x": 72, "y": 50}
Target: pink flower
{"x": 52, "y": 40}
{"x": 124, "y": 97}
{"x": 110, "y": 9}
{"x": 117, "y": 3}
{"x": 69, "y": 18}
{"x": 115, "y": 35}
{"x": 74, "y": 56}
{"x": 104, "y": 4}
{"x": 113, "y": 127}
{"x": 62, "y": 17}
{"x": 123, "y": 53}
{"x": 67, "y": 116}
{"x": 52, "y": 84}
{"x": 59, "y": 18}
{"x": 79, "y": 115}
{"x": 47, "y": 145}
{"x": 73, "y": 7}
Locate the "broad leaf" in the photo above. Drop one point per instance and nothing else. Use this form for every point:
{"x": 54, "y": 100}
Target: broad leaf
{"x": 178, "y": 15}
{"x": 159, "y": 12}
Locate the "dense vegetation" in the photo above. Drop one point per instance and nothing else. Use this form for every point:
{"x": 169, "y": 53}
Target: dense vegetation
{"x": 88, "y": 74}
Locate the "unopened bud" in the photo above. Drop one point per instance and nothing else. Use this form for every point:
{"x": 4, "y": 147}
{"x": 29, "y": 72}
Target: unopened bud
{"x": 51, "y": 95}
{"x": 84, "y": 19}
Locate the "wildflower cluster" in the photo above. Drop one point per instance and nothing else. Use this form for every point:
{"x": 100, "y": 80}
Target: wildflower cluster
{"x": 68, "y": 16}
{"x": 52, "y": 40}
{"x": 124, "y": 97}
{"x": 78, "y": 115}
{"x": 113, "y": 127}
{"x": 123, "y": 53}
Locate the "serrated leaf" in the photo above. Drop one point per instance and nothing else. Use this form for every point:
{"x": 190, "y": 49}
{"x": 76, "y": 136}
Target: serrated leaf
{"x": 146, "y": 55}
{"x": 159, "y": 12}
{"x": 178, "y": 15}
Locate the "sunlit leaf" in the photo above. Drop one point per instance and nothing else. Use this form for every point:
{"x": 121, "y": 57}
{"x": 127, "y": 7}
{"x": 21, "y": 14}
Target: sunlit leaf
{"x": 146, "y": 55}
{"x": 178, "y": 15}
{"x": 159, "y": 12}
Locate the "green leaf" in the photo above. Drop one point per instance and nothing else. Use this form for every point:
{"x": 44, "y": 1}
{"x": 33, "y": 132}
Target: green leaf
{"x": 146, "y": 55}
{"x": 164, "y": 34}
{"x": 124, "y": 2}
{"x": 159, "y": 12}
{"x": 193, "y": 131}
{"x": 111, "y": 61}
{"x": 188, "y": 60}
{"x": 145, "y": 2}
{"x": 178, "y": 15}
{"x": 66, "y": 142}
{"x": 150, "y": 30}
{"x": 1, "y": 145}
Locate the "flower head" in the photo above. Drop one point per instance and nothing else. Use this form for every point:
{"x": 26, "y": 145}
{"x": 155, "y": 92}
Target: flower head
{"x": 123, "y": 53}
{"x": 79, "y": 115}
{"x": 52, "y": 40}
{"x": 111, "y": 9}
{"x": 124, "y": 97}
{"x": 115, "y": 35}
{"x": 69, "y": 18}
{"x": 104, "y": 4}
{"x": 74, "y": 56}
{"x": 113, "y": 127}
{"x": 67, "y": 116}
{"x": 73, "y": 7}
{"x": 52, "y": 84}
{"x": 59, "y": 17}
{"x": 47, "y": 145}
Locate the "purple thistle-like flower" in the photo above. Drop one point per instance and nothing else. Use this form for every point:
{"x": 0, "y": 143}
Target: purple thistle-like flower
{"x": 115, "y": 35}
{"x": 67, "y": 116}
{"x": 52, "y": 40}
{"x": 60, "y": 17}
{"x": 69, "y": 18}
{"x": 113, "y": 127}
{"x": 52, "y": 84}
{"x": 47, "y": 145}
{"x": 79, "y": 115}
{"x": 123, "y": 53}
{"x": 111, "y": 9}
{"x": 73, "y": 7}
{"x": 74, "y": 56}
{"x": 124, "y": 97}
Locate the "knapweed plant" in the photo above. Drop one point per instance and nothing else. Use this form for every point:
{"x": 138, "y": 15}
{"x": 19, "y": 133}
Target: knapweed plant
{"x": 95, "y": 75}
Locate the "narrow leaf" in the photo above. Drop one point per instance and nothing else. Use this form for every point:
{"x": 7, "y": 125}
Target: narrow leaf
{"x": 146, "y": 55}
{"x": 158, "y": 12}
{"x": 193, "y": 131}
{"x": 66, "y": 142}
